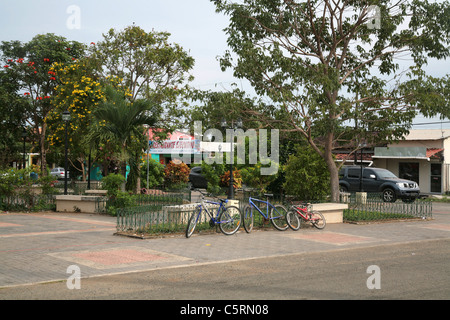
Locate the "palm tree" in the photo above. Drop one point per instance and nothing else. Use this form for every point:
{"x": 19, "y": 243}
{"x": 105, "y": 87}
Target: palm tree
{"x": 122, "y": 122}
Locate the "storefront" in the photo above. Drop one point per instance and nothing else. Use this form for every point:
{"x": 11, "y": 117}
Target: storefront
{"x": 420, "y": 164}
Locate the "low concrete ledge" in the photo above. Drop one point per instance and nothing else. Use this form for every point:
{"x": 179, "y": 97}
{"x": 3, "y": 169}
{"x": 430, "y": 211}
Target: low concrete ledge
{"x": 333, "y": 212}
{"x": 76, "y": 203}
{"x": 97, "y": 192}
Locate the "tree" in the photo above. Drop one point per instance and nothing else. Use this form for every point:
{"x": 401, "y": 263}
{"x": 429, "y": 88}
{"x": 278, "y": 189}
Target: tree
{"x": 326, "y": 65}
{"x": 80, "y": 93}
{"x": 121, "y": 121}
{"x": 10, "y": 119}
{"x": 28, "y": 64}
{"x": 149, "y": 67}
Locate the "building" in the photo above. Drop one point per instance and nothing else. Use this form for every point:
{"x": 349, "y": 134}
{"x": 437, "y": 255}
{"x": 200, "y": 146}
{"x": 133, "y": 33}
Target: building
{"x": 177, "y": 142}
{"x": 423, "y": 156}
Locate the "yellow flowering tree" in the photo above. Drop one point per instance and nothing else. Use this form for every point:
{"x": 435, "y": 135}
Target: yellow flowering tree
{"x": 80, "y": 93}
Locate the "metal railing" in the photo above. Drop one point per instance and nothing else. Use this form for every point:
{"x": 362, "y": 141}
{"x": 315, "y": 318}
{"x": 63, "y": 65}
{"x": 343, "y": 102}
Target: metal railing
{"x": 27, "y": 203}
{"x": 372, "y": 208}
{"x": 153, "y": 219}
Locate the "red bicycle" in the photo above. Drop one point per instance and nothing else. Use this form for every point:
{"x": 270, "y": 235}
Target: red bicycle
{"x": 301, "y": 211}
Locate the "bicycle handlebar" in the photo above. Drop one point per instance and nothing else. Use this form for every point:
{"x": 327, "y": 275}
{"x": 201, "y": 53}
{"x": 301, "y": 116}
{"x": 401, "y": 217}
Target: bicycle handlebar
{"x": 210, "y": 195}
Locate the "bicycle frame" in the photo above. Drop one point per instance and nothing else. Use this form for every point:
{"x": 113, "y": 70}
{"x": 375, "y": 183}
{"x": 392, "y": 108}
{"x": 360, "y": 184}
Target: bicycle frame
{"x": 307, "y": 216}
{"x": 250, "y": 201}
{"x": 203, "y": 206}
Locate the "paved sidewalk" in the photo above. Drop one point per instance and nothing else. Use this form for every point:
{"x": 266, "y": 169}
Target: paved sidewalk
{"x": 37, "y": 248}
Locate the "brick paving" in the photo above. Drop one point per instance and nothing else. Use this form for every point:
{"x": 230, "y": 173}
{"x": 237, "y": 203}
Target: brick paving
{"x": 36, "y": 248}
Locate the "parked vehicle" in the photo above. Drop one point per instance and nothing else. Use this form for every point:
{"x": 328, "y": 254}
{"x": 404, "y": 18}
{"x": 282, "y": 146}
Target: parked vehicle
{"x": 58, "y": 173}
{"x": 196, "y": 179}
{"x": 378, "y": 180}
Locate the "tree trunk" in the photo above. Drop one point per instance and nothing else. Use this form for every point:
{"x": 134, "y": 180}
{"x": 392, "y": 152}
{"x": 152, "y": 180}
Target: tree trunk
{"x": 43, "y": 155}
{"x": 332, "y": 168}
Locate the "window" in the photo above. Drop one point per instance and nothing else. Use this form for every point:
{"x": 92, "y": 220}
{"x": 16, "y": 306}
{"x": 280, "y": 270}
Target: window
{"x": 409, "y": 171}
{"x": 354, "y": 173}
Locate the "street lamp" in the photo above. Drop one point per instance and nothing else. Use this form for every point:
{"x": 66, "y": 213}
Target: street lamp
{"x": 362, "y": 146}
{"x": 24, "y": 135}
{"x": 66, "y": 119}
{"x": 233, "y": 126}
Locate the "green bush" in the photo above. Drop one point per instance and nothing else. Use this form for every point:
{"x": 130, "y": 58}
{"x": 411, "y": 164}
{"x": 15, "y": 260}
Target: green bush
{"x": 213, "y": 173}
{"x": 113, "y": 183}
{"x": 307, "y": 176}
{"x": 155, "y": 174}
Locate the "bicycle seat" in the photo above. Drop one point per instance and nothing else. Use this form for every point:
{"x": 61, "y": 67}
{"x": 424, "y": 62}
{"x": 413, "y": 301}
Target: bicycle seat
{"x": 268, "y": 194}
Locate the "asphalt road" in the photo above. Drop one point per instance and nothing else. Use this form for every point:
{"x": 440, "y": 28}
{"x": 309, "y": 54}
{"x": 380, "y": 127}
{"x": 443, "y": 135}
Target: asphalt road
{"x": 416, "y": 270}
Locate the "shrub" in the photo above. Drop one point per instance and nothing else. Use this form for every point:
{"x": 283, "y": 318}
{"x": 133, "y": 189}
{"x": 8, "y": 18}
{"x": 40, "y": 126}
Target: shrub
{"x": 307, "y": 175}
{"x": 252, "y": 177}
{"x": 212, "y": 173}
{"x": 113, "y": 183}
{"x": 176, "y": 175}
{"x": 155, "y": 173}
{"x": 237, "y": 179}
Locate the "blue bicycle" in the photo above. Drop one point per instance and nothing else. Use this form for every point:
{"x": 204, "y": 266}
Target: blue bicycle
{"x": 275, "y": 213}
{"x": 227, "y": 217}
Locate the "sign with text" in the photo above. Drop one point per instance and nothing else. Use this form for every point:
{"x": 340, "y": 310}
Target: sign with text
{"x": 174, "y": 146}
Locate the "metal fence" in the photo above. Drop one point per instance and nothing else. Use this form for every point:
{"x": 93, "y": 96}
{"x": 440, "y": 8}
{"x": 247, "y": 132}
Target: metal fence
{"x": 151, "y": 219}
{"x": 373, "y": 208}
{"x": 27, "y": 202}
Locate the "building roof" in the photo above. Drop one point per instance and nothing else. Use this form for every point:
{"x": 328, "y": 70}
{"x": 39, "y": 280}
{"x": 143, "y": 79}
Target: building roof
{"x": 428, "y": 134}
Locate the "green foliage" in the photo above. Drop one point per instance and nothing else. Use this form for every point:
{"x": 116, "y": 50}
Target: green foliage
{"x": 28, "y": 66}
{"x": 120, "y": 122}
{"x": 149, "y": 66}
{"x": 213, "y": 173}
{"x": 113, "y": 183}
{"x": 324, "y": 67}
{"x": 251, "y": 177}
{"x": 307, "y": 175}
{"x": 155, "y": 173}
{"x": 15, "y": 182}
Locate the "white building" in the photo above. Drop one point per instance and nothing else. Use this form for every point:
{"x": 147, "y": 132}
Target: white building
{"x": 423, "y": 156}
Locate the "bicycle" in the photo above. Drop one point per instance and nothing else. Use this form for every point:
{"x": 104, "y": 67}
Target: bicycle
{"x": 298, "y": 212}
{"x": 276, "y": 215}
{"x": 228, "y": 218}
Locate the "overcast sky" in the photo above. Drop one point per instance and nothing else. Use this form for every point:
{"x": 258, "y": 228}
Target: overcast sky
{"x": 193, "y": 24}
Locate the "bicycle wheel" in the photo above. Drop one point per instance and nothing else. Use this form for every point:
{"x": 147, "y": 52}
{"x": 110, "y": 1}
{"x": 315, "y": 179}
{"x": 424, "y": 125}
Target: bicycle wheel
{"x": 293, "y": 220}
{"x": 318, "y": 220}
{"x": 278, "y": 217}
{"x": 192, "y": 223}
{"x": 230, "y": 220}
{"x": 247, "y": 218}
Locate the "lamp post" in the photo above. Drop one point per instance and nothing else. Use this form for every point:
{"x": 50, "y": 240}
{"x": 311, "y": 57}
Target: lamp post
{"x": 66, "y": 119}
{"x": 24, "y": 135}
{"x": 362, "y": 146}
{"x": 233, "y": 127}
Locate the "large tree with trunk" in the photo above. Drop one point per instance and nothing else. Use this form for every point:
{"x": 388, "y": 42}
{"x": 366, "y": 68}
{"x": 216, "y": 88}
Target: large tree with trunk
{"x": 335, "y": 67}
{"x": 29, "y": 65}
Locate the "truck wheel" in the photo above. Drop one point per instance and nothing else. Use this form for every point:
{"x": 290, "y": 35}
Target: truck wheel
{"x": 389, "y": 195}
